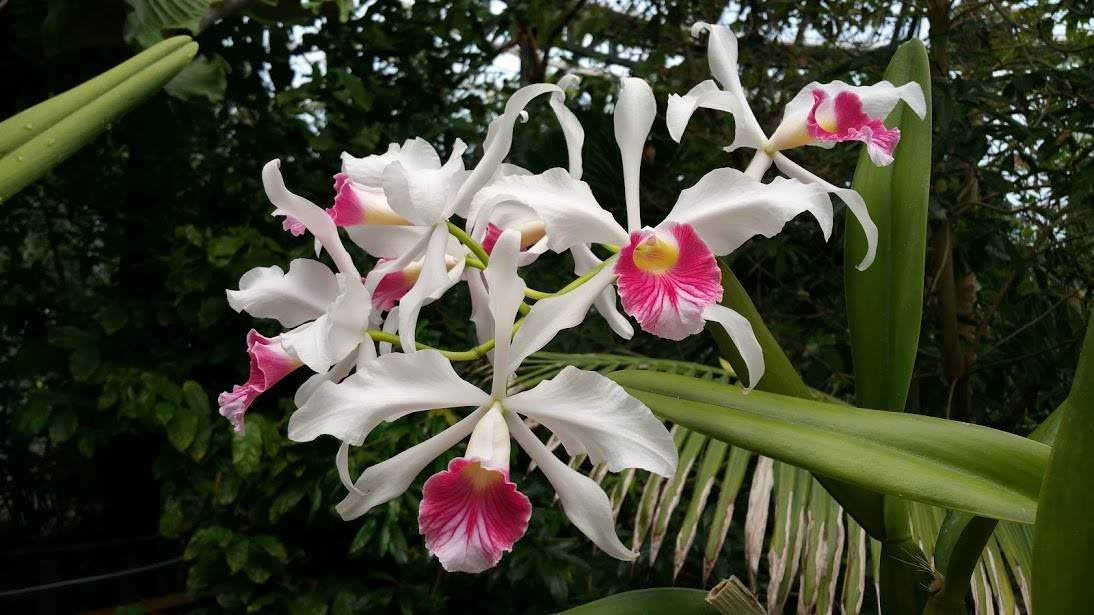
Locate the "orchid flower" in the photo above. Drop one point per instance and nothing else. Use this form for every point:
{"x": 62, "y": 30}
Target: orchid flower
{"x": 668, "y": 278}
{"x": 821, "y": 114}
{"x": 397, "y": 205}
{"x": 472, "y": 512}
{"x": 327, "y": 313}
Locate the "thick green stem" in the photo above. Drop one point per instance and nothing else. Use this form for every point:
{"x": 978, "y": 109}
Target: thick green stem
{"x": 475, "y": 247}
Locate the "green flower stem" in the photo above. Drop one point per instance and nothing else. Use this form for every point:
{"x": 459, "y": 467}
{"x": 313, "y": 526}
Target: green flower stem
{"x": 474, "y": 263}
{"x": 538, "y": 294}
{"x": 471, "y": 354}
{"x": 474, "y": 246}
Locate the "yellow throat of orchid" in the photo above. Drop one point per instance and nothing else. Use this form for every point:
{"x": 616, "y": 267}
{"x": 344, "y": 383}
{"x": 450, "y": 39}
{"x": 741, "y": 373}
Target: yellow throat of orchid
{"x": 655, "y": 255}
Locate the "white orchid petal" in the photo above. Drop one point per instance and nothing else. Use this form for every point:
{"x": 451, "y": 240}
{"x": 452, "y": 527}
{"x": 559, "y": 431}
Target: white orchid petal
{"x": 372, "y": 280}
{"x": 391, "y": 325}
{"x": 423, "y": 197}
{"x": 593, "y": 415}
{"x": 386, "y": 240}
{"x": 634, "y": 114}
{"x": 291, "y": 298}
{"x": 499, "y": 139}
{"x": 571, "y": 127}
{"x": 551, "y": 315}
{"x": 393, "y": 386}
{"x": 740, "y": 331}
{"x": 389, "y": 479}
{"x": 432, "y": 282}
{"x": 335, "y": 374}
{"x": 309, "y": 214}
{"x": 480, "y": 307}
{"x": 583, "y": 501}
{"x": 727, "y": 207}
{"x": 341, "y": 462}
{"x": 331, "y": 337}
{"x": 706, "y": 95}
{"x": 722, "y": 56}
{"x": 506, "y": 295}
{"x": 414, "y": 154}
{"x": 585, "y": 261}
{"x": 566, "y": 206}
{"x": 853, "y": 200}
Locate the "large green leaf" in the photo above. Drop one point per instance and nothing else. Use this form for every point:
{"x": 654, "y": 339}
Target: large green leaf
{"x": 885, "y": 302}
{"x": 956, "y": 465}
{"x": 660, "y": 601}
{"x": 53, "y": 145}
{"x": 1063, "y": 545}
{"x": 150, "y": 18}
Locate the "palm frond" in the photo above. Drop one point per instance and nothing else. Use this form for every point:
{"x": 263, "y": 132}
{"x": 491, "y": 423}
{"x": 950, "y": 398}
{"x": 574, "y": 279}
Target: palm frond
{"x": 816, "y": 554}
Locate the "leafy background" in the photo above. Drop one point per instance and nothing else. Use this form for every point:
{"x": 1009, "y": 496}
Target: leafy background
{"x": 117, "y": 336}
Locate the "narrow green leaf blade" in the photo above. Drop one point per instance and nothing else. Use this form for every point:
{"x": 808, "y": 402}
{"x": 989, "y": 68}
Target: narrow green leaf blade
{"x": 947, "y": 463}
{"x": 704, "y": 483}
{"x": 723, "y": 511}
{"x": 1063, "y": 545}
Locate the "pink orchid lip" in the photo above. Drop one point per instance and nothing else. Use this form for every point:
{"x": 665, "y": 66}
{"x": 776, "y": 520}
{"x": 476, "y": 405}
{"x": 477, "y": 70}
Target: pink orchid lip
{"x": 354, "y": 205}
{"x": 666, "y": 277}
{"x": 294, "y": 226}
{"x": 530, "y": 233}
{"x": 393, "y": 286}
{"x": 845, "y": 120}
{"x": 471, "y": 514}
{"x": 269, "y": 364}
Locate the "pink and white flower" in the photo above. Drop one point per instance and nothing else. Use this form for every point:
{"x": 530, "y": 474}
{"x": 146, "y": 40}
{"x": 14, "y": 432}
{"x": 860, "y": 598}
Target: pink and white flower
{"x": 269, "y": 364}
{"x": 821, "y": 114}
{"x": 396, "y": 205}
{"x": 667, "y": 276}
{"x": 472, "y": 512}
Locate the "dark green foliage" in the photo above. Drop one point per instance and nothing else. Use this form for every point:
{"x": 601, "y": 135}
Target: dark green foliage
{"x": 117, "y": 336}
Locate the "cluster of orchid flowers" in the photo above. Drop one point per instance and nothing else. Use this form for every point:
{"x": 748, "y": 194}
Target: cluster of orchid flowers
{"x": 397, "y": 206}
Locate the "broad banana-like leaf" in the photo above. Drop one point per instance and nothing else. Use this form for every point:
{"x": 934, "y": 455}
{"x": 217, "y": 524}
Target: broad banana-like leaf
{"x": 659, "y": 601}
{"x": 60, "y": 128}
{"x": 1063, "y": 539}
{"x": 956, "y": 465}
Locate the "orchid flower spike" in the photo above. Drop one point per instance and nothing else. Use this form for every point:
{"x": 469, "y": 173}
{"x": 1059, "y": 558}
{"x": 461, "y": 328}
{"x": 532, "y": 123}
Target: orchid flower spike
{"x": 821, "y": 114}
{"x": 666, "y": 276}
{"x": 396, "y": 206}
{"x": 471, "y": 513}
{"x": 327, "y": 314}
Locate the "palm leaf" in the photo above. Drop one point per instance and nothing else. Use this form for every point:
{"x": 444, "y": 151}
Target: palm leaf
{"x": 815, "y": 552}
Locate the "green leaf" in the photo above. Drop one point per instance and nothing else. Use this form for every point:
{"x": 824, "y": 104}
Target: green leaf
{"x": 27, "y": 124}
{"x": 286, "y": 501}
{"x": 201, "y": 79}
{"x": 149, "y": 18}
{"x": 660, "y": 601}
{"x": 704, "y": 483}
{"x": 181, "y": 429}
{"x": 238, "y": 554}
{"x": 247, "y": 446}
{"x": 54, "y": 144}
{"x": 63, "y": 425}
{"x": 885, "y": 302}
{"x": 947, "y": 463}
{"x": 1063, "y": 544}
{"x": 781, "y": 377}
{"x": 272, "y": 546}
{"x": 196, "y": 398}
{"x": 723, "y": 509}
